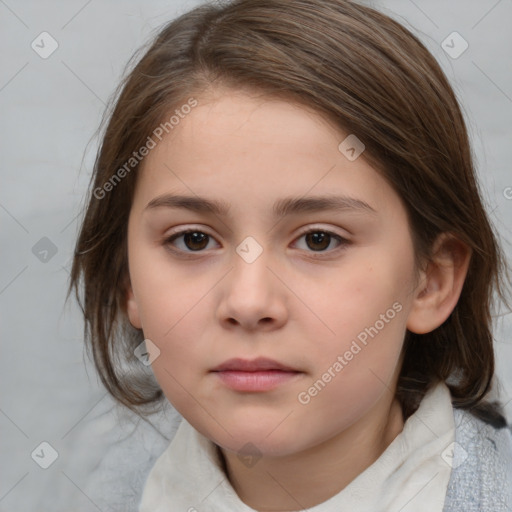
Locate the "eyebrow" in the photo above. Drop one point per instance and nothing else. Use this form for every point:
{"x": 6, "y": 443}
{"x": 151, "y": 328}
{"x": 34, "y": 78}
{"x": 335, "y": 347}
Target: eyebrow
{"x": 282, "y": 207}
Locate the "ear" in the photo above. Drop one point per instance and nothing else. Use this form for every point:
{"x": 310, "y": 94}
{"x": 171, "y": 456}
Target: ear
{"x": 440, "y": 285}
{"x": 132, "y": 308}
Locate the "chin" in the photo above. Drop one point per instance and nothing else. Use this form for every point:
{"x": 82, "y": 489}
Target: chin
{"x": 261, "y": 439}
{"x": 242, "y": 445}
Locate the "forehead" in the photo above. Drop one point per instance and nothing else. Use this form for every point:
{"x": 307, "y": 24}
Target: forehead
{"x": 238, "y": 148}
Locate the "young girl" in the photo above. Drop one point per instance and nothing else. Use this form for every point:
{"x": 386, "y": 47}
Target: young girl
{"x": 284, "y": 222}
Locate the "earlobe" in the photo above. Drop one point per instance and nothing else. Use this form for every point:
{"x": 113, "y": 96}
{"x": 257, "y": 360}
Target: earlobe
{"x": 440, "y": 286}
{"x": 132, "y": 308}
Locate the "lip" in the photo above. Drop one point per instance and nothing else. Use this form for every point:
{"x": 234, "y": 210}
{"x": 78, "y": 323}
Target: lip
{"x": 255, "y": 375}
{"x": 252, "y": 365}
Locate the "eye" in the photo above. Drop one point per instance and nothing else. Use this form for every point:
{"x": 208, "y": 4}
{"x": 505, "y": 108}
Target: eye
{"x": 319, "y": 239}
{"x": 194, "y": 240}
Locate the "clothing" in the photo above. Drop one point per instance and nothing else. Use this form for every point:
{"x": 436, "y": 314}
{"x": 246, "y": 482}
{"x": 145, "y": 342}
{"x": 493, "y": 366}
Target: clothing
{"x": 481, "y": 479}
{"x": 413, "y": 474}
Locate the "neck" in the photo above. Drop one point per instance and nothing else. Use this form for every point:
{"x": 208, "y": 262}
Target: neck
{"x": 308, "y": 478}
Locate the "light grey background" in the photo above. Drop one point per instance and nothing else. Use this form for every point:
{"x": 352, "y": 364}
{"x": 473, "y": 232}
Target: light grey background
{"x": 51, "y": 109}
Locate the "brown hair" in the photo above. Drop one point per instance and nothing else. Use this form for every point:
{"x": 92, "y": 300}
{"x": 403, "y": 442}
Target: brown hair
{"x": 371, "y": 77}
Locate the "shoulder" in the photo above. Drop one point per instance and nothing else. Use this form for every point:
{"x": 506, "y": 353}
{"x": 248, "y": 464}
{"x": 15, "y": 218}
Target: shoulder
{"x": 481, "y": 477}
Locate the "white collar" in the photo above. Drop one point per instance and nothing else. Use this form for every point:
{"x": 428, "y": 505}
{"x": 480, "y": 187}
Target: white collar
{"x": 411, "y": 475}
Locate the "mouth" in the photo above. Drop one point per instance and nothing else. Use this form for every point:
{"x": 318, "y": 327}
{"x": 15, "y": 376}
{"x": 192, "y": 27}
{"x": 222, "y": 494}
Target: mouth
{"x": 255, "y": 375}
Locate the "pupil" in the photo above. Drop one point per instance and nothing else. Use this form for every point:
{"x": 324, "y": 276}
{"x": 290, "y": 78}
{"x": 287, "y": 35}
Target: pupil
{"x": 192, "y": 238}
{"x": 318, "y": 237}
{"x": 196, "y": 237}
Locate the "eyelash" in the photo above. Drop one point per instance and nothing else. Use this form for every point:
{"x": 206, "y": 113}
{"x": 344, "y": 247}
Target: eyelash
{"x": 343, "y": 242}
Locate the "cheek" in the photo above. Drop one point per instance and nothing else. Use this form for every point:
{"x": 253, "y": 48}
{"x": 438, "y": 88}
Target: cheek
{"x": 363, "y": 322}
{"x": 180, "y": 366}
{"x": 166, "y": 292}
{"x": 353, "y": 299}
{"x": 353, "y": 370}
{"x": 175, "y": 308}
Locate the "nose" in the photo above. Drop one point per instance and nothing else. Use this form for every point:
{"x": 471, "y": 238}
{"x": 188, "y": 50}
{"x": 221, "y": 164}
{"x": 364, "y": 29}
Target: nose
{"x": 253, "y": 297}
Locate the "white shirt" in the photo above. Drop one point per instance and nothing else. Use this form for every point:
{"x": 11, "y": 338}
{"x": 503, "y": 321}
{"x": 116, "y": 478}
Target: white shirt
{"x": 411, "y": 475}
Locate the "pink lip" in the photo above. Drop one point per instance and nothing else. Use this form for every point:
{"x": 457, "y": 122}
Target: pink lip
{"x": 255, "y": 365}
{"x": 257, "y": 375}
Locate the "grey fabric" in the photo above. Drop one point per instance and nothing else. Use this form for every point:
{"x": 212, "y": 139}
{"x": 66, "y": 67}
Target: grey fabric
{"x": 117, "y": 483}
{"x": 481, "y": 479}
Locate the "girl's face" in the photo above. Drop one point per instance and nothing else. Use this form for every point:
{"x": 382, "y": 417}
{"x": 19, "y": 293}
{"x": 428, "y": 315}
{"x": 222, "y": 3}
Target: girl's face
{"x": 247, "y": 286}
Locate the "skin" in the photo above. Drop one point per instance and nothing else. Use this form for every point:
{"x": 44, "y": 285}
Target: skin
{"x": 296, "y": 303}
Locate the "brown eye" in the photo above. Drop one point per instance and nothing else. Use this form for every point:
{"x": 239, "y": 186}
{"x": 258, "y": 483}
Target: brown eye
{"x": 318, "y": 240}
{"x": 193, "y": 240}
